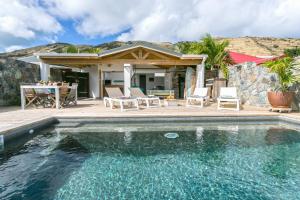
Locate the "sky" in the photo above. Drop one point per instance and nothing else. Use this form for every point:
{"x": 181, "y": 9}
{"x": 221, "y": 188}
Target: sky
{"x": 27, "y": 23}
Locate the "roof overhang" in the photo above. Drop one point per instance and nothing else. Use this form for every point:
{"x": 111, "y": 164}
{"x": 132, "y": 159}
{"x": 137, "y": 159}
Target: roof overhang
{"x": 145, "y": 53}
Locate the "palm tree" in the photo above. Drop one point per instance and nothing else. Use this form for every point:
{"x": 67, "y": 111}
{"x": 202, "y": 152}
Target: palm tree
{"x": 218, "y": 57}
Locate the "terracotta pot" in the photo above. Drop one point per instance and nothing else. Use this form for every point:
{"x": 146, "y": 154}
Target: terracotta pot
{"x": 281, "y": 99}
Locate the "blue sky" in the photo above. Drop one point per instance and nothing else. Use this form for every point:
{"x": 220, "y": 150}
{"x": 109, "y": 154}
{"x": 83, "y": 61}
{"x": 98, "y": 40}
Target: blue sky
{"x": 70, "y": 35}
{"x": 26, "y": 23}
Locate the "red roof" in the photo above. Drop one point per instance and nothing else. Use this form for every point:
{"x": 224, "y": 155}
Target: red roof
{"x": 238, "y": 58}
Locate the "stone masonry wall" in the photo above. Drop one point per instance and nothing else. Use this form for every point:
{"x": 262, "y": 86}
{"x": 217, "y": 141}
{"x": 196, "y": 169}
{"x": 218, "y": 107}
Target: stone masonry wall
{"x": 12, "y": 74}
{"x": 252, "y": 82}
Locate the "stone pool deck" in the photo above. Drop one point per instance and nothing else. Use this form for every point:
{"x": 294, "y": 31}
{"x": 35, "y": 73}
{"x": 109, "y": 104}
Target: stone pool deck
{"x": 13, "y": 117}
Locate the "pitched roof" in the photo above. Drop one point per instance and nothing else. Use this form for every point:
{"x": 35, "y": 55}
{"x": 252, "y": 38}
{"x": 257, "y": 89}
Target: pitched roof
{"x": 143, "y": 44}
{"x": 238, "y": 58}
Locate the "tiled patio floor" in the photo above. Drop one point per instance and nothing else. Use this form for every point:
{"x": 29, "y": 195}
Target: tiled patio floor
{"x": 11, "y": 117}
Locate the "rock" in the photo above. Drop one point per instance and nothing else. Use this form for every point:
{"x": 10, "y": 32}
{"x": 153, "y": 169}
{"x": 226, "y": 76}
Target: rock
{"x": 252, "y": 82}
{"x": 13, "y": 74}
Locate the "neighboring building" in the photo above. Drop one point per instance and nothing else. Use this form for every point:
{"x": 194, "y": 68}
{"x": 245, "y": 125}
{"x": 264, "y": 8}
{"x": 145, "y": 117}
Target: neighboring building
{"x": 239, "y": 58}
{"x": 141, "y": 64}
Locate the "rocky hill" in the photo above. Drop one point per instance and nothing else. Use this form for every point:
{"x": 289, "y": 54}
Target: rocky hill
{"x": 261, "y": 46}
{"x": 256, "y": 46}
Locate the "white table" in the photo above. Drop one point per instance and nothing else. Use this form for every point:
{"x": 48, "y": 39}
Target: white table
{"x": 56, "y": 88}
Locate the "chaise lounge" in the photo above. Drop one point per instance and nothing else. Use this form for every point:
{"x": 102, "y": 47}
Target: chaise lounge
{"x": 151, "y": 101}
{"x": 228, "y": 95}
{"x": 199, "y": 95}
{"x": 115, "y": 95}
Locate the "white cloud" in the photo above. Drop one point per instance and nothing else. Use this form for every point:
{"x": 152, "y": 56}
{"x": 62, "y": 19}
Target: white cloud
{"x": 13, "y": 48}
{"x": 169, "y": 20}
{"x": 21, "y": 21}
{"x": 24, "y": 21}
{"x": 100, "y": 17}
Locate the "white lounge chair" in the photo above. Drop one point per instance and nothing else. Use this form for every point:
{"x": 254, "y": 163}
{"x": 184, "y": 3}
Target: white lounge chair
{"x": 115, "y": 95}
{"x": 228, "y": 95}
{"x": 112, "y": 92}
{"x": 199, "y": 95}
{"x": 151, "y": 101}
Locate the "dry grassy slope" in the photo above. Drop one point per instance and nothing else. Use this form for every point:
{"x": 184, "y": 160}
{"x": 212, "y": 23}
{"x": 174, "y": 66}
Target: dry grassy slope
{"x": 261, "y": 46}
{"x": 256, "y": 46}
{"x": 61, "y": 48}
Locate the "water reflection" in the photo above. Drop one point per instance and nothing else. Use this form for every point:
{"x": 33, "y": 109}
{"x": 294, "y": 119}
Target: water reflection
{"x": 277, "y": 136}
{"x": 281, "y": 156}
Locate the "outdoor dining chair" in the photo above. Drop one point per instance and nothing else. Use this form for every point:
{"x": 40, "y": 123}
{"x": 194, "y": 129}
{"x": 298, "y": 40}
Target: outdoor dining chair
{"x": 71, "y": 96}
{"x": 31, "y": 97}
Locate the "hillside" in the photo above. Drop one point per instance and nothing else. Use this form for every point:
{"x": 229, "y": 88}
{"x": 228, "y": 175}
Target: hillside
{"x": 256, "y": 46}
{"x": 261, "y": 46}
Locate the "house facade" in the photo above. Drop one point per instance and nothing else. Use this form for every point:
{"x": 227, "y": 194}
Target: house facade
{"x": 141, "y": 64}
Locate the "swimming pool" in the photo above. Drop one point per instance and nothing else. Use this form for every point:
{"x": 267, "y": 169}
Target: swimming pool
{"x": 73, "y": 160}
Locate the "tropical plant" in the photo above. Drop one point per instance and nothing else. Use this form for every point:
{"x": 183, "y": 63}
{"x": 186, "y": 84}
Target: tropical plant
{"x": 72, "y": 49}
{"x": 285, "y": 70}
{"x": 293, "y": 52}
{"x": 218, "y": 57}
{"x": 190, "y": 47}
{"x": 91, "y": 50}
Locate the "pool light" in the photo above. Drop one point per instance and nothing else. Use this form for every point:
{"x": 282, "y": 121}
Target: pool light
{"x": 171, "y": 135}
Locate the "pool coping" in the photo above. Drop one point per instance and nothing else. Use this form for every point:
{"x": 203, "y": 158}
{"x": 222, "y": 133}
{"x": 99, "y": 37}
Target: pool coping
{"x": 12, "y": 133}
{"x": 15, "y": 132}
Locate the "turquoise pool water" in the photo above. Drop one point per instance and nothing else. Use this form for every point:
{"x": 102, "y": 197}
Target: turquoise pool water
{"x": 139, "y": 161}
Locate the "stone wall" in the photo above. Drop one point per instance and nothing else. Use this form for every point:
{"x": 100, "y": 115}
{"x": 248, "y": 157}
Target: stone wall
{"x": 12, "y": 74}
{"x": 253, "y": 83}
{"x": 296, "y": 103}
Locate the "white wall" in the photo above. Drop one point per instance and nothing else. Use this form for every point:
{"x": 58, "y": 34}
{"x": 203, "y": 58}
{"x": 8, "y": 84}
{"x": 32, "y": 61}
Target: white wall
{"x": 93, "y": 81}
{"x": 45, "y": 71}
{"x": 117, "y": 78}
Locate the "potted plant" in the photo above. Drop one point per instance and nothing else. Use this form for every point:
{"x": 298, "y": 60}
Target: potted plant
{"x": 281, "y": 96}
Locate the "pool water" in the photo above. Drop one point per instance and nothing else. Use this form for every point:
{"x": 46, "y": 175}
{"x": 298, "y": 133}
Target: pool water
{"x": 140, "y": 161}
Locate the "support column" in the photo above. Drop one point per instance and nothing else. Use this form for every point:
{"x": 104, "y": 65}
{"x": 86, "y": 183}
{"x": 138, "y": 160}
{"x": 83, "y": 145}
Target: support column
{"x": 200, "y": 71}
{"x": 94, "y": 86}
{"x": 128, "y": 71}
{"x": 189, "y": 81}
{"x": 44, "y": 71}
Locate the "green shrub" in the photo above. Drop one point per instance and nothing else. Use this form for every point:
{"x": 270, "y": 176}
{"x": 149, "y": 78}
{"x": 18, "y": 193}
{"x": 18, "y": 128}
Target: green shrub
{"x": 284, "y": 68}
{"x": 293, "y": 52}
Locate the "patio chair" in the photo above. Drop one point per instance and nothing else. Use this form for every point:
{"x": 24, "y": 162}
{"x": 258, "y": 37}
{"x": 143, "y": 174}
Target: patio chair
{"x": 112, "y": 92}
{"x": 42, "y": 97}
{"x": 151, "y": 101}
{"x": 199, "y": 95}
{"x": 115, "y": 95}
{"x": 31, "y": 97}
{"x": 63, "y": 94}
{"x": 71, "y": 97}
{"x": 228, "y": 95}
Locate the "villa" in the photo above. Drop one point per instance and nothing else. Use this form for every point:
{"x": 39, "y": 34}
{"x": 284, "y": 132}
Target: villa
{"x": 149, "y": 100}
{"x": 168, "y": 151}
{"x": 152, "y": 68}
